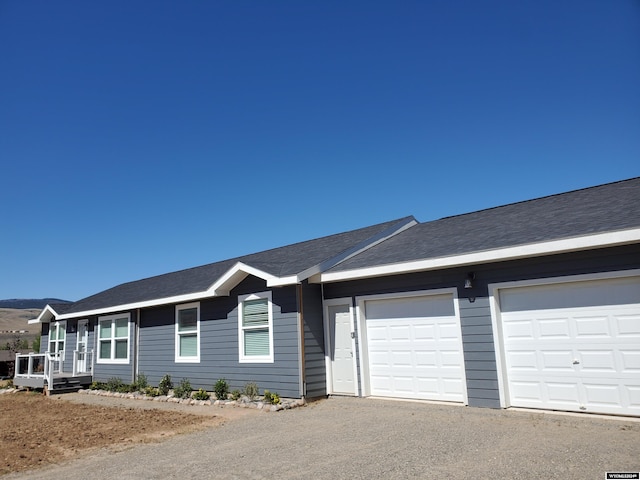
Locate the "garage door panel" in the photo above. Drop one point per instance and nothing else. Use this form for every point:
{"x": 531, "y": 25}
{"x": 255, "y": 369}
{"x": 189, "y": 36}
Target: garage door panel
{"x": 633, "y": 394}
{"x": 557, "y": 361}
{"x": 565, "y": 350}
{"x": 450, "y": 358}
{"x": 426, "y": 359}
{"x": 627, "y": 326}
{"x": 553, "y": 328}
{"x": 630, "y": 361}
{"x": 599, "y": 394}
{"x": 598, "y": 361}
{"x": 523, "y": 360}
{"x": 414, "y": 348}
{"x": 526, "y": 391}
{"x": 519, "y": 330}
{"x": 562, "y": 392}
{"x": 592, "y": 326}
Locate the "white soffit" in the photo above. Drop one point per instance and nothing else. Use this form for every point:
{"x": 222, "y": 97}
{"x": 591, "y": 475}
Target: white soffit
{"x": 600, "y": 240}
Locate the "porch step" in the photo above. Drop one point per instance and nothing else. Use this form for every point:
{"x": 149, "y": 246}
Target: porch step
{"x": 64, "y": 384}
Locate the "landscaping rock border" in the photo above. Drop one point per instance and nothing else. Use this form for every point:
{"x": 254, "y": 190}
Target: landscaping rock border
{"x": 242, "y": 402}
{"x": 9, "y": 390}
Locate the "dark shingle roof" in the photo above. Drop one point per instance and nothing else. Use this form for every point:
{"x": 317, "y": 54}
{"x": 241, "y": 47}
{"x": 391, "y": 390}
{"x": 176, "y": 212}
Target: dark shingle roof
{"x": 61, "y": 308}
{"x": 605, "y": 208}
{"x": 279, "y": 262}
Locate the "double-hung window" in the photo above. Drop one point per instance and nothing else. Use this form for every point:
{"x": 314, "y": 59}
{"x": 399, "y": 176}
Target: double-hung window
{"x": 188, "y": 333}
{"x": 255, "y": 327}
{"x": 113, "y": 339}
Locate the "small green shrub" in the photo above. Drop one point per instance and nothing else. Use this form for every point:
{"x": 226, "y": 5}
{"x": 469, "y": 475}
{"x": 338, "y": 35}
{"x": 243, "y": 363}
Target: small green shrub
{"x": 201, "y": 394}
{"x": 221, "y": 389}
{"x": 115, "y": 384}
{"x": 165, "y": 385}
{"x": 125, "y": 388}
{"x": 95, "y": 385}
{"x": 184, "y": 389}
{"x": 141, "y": 382}
{"x": 251, "y": 390}
{"x": 272, "y": 398}
{"x": 151, "y": 392}
{"x": 236, "y": 394}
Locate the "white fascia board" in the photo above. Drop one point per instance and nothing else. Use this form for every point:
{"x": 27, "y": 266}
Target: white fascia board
{"x": 235, "y": 275}
{"x": 132, "y": 306}
{"x": 222, "y": 287}
{"x": 47, "y": 312}
{"x": 601, "y": 240}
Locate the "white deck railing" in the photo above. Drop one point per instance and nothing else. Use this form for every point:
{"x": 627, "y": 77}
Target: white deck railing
{"x": 30, "y": 365}
{"x": 43, "y": 366}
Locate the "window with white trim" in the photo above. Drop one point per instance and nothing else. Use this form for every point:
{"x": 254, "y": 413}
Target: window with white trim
{"x": 255, "y": 328}
{"x": 56, "y": 336}
{"x": 113, "y": 339}
{"x": 188, "y": 332}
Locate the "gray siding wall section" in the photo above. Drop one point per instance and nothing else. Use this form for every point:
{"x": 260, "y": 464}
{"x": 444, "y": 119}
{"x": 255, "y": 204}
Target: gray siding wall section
{"x": 219, "y": 348}
{"x": 477, "y": 337}
{"x": 479, "y": 354}
{"x": 314, "y": 354}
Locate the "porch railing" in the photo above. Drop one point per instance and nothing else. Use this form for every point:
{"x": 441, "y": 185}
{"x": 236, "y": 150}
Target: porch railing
{"x": 44, "y": 366}
{"x": 31, "y": 365}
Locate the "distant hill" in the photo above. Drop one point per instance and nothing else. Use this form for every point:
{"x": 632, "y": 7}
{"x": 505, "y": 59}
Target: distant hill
{"x": 30, "y": 303}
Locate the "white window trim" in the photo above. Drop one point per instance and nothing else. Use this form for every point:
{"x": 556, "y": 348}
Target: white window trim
{"x": 112, "y": 318}
{"x": 184, "y": 359}
{"x": 242, "y": 358}
{"x": 63, "y": 325}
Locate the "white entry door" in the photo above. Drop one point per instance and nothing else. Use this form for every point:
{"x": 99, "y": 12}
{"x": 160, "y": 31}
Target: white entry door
{"x": 81, "y": 346}
{"x": 414, "y": 348}
{"x": 341, "y": 349}
{"x": 573, "y": 345}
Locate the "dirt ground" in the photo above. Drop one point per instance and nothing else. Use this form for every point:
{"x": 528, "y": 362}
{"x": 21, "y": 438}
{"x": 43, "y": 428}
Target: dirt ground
{"x": 36, "y": 430}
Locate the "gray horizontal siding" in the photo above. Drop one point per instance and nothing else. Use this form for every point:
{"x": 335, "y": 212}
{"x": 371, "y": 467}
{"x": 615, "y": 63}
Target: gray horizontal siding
{"x": 314, "y": 355}
{"x": 477, "y": 343}
{"x": 219, "y": 347}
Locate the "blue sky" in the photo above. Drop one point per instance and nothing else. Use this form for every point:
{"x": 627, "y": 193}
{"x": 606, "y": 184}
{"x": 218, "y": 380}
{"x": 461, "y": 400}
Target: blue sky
{"x": 143, "y": 137}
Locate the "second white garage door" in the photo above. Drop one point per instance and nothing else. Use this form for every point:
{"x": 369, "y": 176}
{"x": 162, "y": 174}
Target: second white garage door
{"x": 573, "y": 345}
{"x": 414, "y": 348}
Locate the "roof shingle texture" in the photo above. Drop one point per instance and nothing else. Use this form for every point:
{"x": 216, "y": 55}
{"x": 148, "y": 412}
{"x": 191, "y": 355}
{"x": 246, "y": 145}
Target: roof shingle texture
{"x": 605, "y": 208}
{"x": 280, "y": 262}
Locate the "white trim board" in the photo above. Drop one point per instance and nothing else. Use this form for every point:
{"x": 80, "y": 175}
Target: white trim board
{"x": 611, "y": 239}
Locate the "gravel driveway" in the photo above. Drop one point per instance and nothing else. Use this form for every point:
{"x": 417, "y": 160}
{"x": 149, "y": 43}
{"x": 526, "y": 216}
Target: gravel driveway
{"x": 352, "y": 438}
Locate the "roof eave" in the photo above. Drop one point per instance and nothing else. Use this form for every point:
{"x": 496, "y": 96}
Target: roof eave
{"x": 45, "y": 316}
{"x": 566, "y": 245}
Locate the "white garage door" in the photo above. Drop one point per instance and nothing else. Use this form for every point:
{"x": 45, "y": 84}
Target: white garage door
{"x": 415, "y": 348}
{"x": 574, "y": 346}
